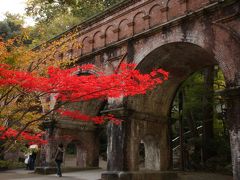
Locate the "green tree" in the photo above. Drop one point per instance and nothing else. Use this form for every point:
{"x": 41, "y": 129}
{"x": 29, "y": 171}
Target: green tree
{"x": 11, "y": 26}
{"x": 203, "y": 107}
{"x": 44, "y": 31}
{"x": 56, "y": 16}
{"x": 46, "y": 10}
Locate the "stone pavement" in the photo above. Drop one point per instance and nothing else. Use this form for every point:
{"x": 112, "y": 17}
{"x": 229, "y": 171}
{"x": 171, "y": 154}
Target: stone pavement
{"x": 203, "y": 176}
{"x": 22, "y": 174}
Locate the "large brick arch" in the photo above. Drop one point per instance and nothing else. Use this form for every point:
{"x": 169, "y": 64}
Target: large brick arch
{"x": 85, "y": 141}
{"x": 200, "y": 51}
{"x": 181, "y": 59}
{"x": 216, "y": 42}
{"x": 155, "y": 105}
{"x": 227, "y": 51}
{"x": 180, "y": 53}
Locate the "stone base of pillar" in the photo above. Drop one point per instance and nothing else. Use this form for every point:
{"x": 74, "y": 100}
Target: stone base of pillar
{"x": 162, "y": 175}
{"x": 45, "y": 170}
{"x": 139, "y": 175}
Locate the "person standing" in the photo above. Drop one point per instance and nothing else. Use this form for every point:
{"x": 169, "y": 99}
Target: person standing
{"x": 26, "y": 161}
{"x": 27, "y": 157}
{"x": 32, "y": 159}
{"x": 59, "y": 159}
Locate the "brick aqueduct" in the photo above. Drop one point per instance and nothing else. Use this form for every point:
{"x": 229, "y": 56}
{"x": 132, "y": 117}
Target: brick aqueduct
{"x": 180, "y": 36}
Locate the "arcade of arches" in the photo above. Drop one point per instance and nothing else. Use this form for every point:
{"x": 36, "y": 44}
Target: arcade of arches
{"x": 184, "y": 40}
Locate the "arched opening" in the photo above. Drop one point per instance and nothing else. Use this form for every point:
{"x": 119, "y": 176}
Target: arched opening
{"x": 149, "y": 154}
{"x": 199, "y": 135}
{"x": 71, "y": 155}
{"x": 150, "y": 112}
{"x": 82, "y": 154}
{"x": 141, "y": 150}
{"x": 101, "y": 131}
{"x": 102, "y": 147}
{"x": 86, "y": 137}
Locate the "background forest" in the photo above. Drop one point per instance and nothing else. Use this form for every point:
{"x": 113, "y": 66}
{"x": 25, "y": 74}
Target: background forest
{"x": 52, "y": 17}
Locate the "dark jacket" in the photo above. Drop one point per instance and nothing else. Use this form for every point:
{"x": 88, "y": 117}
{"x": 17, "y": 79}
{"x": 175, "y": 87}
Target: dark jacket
{"x": 59, "y": 154}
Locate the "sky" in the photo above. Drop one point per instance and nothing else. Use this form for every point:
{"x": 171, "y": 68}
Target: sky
{"x": 14, "y": 7}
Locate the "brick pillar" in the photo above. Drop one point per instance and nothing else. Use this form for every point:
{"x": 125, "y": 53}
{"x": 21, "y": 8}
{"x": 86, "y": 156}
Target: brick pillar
{"x": 165, "y": 156}
{"x": 50, "y": 151}
{"x": 116, "y": 150}
{"x": 132, "y": 146}
{"x": 152, "y": 153}
{"x": 232, "y": 96}
{"x": 47, "y": 150}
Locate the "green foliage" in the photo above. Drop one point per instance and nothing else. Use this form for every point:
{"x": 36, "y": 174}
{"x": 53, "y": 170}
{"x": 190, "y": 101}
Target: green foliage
{"x": 11, "y": 26}
{"x": 195, "y": 101}
{"x": 44, "y": 31}
{"x": 71, "y": 149}
{"x": 193, "y": 91}
{"x": 46, "y": 10}
{"x": 56, "y": 16}
{"x": 222, "y": 154}
{"x": 10, "y": 164}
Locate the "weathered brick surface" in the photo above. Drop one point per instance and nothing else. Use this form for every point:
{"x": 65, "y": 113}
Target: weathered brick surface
{"x": 193, "y": 4}
{"x": 181, "y": 36}
{"x": 176, "y": 8}
{"x": 156, "y": 15}
{"x": 124, "y": 23}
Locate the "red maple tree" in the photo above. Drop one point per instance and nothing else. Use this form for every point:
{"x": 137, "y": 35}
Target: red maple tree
{"x": 68, "y": 86}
